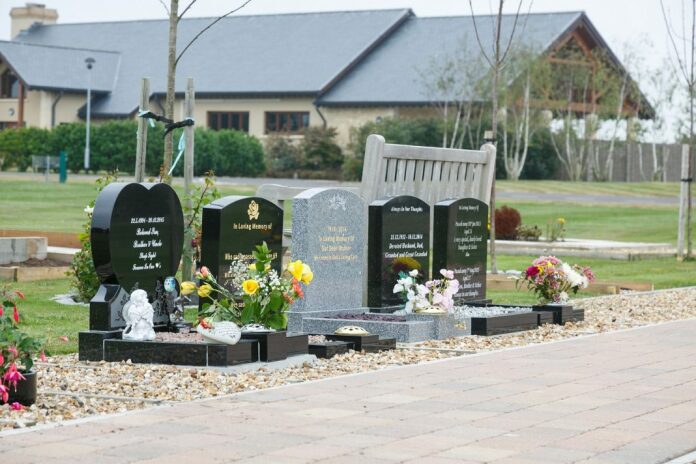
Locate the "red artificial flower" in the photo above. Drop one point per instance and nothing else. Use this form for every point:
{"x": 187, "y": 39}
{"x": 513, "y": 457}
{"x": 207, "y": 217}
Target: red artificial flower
{"x": 532, "y": 271}
{"x": 2, "y": 310}
{"x": 296, "y": 287}
{"x": 16, "y": 406}
{"x": 4, "y": 393}
{"x": 2, "y": 359}
{"x": 19, "y": 294}
{"x": 42, "y": 357}
{"x": 15, "y": 316}
{"x": 14, "y": 351}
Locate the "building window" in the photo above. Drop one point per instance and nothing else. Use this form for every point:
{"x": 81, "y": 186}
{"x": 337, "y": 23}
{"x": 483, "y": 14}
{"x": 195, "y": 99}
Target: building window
{"x": 237, "y": 120}
{"x": 9, "y": 85}
{"x": 286, "y": 121}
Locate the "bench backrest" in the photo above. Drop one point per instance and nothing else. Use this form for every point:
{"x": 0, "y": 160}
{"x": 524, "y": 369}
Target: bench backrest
{"x": 429, "y": 173}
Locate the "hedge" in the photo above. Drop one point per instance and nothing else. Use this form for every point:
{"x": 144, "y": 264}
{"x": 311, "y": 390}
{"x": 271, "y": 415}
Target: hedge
{"x": 112, "y": 146}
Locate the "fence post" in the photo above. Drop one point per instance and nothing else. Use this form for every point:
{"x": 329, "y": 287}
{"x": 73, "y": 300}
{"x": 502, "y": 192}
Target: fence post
{"x": 141, "y": 144}
{"x": 63, "y": 168}
{"x": 683, "y": 201}
{"x": 189, "y": 233}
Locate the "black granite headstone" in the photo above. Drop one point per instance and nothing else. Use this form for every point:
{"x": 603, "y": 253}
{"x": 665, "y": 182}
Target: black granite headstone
{"x": 460, "y": 244}
{"x": 398, "y": 240}
{"x": 233, "y": 226}
{"x": 137, "y": 238}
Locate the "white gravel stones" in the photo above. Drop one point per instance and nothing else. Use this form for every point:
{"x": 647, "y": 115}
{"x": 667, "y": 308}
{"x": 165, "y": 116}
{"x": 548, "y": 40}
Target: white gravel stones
{"x": 464, "y": 312}
{"x": 70, "y": 389}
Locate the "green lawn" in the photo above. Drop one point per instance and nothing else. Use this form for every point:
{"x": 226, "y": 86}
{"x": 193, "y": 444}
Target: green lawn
{"x": 55, "y": 207}
{"x": 666, "y": 189}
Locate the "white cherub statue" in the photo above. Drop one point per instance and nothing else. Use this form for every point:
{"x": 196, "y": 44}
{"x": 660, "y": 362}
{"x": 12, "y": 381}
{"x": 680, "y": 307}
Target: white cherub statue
{"x": 138, "y": 314}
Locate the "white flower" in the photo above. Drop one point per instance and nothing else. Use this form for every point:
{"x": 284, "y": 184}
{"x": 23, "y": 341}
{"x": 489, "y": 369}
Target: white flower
{"x": 398, "y": 288}
{"x": 413, "y": 273}
{"x": 563, "y": 297}
{"x": 88, "y": 209}
{"x": 422, "y": 290}
{"x": 447, "y": 274}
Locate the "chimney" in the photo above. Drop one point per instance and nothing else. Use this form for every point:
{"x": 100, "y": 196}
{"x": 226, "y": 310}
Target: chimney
{"x": 24, "y": 17}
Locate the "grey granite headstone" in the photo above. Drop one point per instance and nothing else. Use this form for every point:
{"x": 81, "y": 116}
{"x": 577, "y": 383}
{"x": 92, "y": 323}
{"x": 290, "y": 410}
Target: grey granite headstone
{"x": 329, "y": 234}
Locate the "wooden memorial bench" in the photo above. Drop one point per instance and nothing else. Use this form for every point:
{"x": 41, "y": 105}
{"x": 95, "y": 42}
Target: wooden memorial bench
{"x": 429, "y": 173}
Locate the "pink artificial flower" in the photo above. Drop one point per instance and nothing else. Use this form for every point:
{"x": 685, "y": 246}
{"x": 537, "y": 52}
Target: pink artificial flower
{"x": 14, "y": 351}
{"x": 42, "y": 357}
{"x": 16, "y": 315}
{"x": 64, "y": 339}
{"x": 16, "y": 406}
{"x": 2, "y": 359}
{"x": 4, "y": 393}
{"x": 205, "y": 272}
{"x": 12, "y": 375}
{"x": 2, "y": 310}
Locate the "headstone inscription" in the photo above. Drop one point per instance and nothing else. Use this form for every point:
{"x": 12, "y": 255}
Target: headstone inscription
{"x": 329, "y": 233}
{"x": 137, "y": 236}
{"x": 232, "y": 227}
{"x": 398, "y": 240}
{"x": 460, "y": 244}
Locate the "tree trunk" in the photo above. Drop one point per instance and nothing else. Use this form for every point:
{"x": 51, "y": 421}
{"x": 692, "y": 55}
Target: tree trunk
{"x": 171, "y": 86}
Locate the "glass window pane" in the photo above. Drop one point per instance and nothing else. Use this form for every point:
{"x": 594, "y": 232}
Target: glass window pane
{"x": 305, "y": 119}
{"x": 235, "y": 121}
{"x": 224, "y": 121}
{"x": 245, "y": 122}
{"x": 212, "y": 120}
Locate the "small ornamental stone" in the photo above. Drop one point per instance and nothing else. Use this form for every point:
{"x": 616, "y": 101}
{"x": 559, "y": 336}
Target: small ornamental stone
{"x": 226, "y": 332}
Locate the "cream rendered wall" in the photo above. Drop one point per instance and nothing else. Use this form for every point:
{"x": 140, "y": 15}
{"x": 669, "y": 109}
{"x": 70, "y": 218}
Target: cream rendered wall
{"x": 256, "y": 107}
{"x": 343, "y": 119}
{"x": 66, "y": 109}
{"x": 7, "y": 104}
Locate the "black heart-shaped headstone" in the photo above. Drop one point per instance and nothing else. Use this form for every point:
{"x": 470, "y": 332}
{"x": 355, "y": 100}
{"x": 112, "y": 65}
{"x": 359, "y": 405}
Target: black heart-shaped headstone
{"x": 137, "y": 235}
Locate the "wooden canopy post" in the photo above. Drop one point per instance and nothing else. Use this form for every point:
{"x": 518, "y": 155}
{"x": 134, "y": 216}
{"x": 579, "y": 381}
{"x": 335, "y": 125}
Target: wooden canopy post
{"x": 141, "y": 146}
{"x": 189, "y": 233}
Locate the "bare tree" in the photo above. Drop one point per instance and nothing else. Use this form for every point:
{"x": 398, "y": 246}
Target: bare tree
{"x": 682, "y": 38}
{"x": 496, "y": 59}
{"x": 452, "y": 82}
{"x": 173, "y": 60}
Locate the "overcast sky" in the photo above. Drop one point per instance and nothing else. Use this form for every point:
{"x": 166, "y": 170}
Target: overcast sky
{"x": 620, "y": 22}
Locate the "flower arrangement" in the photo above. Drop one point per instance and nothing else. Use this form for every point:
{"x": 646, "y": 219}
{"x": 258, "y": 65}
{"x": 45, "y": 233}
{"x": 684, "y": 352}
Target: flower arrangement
{"x": 17, "y": 349}
{"x": 265, "y": 295}
{"x": 555, "y": 230}
{"x": 552, "y": 280}
{"x": 437, "y": 293}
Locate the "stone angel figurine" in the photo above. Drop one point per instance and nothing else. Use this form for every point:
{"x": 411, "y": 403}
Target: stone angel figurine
{"x": 138, "y": 314}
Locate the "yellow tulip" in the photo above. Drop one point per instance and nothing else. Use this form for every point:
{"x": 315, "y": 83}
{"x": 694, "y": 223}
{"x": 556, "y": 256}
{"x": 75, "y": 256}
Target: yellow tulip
{"x": 295, "y": 268}
{"x": 187, "y": 288}
{"x": 307, "y": 277}
{"x": 205, "y": 290}
{"x": 250, "y": 286}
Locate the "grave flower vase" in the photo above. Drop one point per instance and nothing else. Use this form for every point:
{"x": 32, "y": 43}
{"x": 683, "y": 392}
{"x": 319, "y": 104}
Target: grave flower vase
{"x": 26, "y": 390}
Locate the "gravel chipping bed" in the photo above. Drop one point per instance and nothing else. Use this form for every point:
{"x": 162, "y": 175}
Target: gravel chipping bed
{"x": 70, "y": 389}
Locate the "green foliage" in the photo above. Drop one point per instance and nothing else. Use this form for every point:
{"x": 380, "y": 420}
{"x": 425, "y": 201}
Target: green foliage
{"x": 83, "y": 276}
{"x": 18, "y": 145}
{"x": 201, "y": 195}
{"x": 320, "y": 150}
{"x": 17, "y": 348}
{"x": 112, "y": 147}
{"x": 425, "y": 132}
{"x": 282, "y": 155}
{"x": 528, "y": 233}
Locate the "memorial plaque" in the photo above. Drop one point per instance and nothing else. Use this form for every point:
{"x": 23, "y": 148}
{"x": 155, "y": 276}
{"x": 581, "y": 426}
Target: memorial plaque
{"x": 232, "y": 228}
{"x": 460, "y": 244}
{"x": 329, "y": 234}
{"x": 398, "y": 240}
{"x": 137, "y": 238}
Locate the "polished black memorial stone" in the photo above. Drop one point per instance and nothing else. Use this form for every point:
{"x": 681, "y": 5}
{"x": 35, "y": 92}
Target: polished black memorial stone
{"x": 358, "y": 341}
{"x": 383, "y": 344}
{"x": 297, "y": 344}
{"x": 460, "y": 244}
{"x": 398, "y": 240}
{"x": 106, "y": 308}
{"x": 137, "y": 235}
{"x": 561, "y": 313}
{"x": 329, "y": 349}
{"x": 273, "y": 346}
{"x": 232, "y": 228}
{"x": 180, "y": 354}
{"x": 90, "y": 344}
{"x": 544, "y": 317}
{"x": 507, "y": 323}
{"x": 578, "y": 315}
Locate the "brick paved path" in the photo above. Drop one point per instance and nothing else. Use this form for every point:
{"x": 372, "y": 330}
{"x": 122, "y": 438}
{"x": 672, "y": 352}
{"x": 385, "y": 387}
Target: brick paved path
{"x": 627, "y": 397}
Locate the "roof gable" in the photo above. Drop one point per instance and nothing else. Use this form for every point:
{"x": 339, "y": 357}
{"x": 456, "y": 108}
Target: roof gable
{"x": 393, "y": 73}
{"x": 265, "y": 54}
